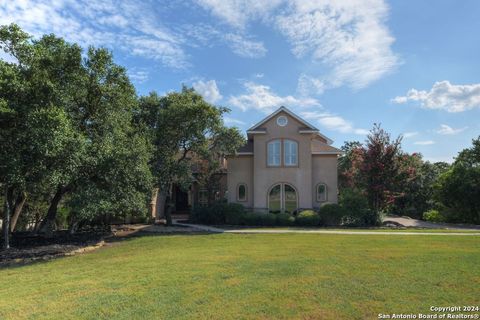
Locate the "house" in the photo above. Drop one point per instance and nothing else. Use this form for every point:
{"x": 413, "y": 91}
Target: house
{"x": 285, "y": 164}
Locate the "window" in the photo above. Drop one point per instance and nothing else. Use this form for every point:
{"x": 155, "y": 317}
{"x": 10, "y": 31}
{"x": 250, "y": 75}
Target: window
{"x": 321, "y": 192}
{"x": 282, "y": 121}
{"x": 203, "y": 196}
{"x": 273, "y": 151}
{"x": 290, "y": 152}
{"x": 282, "y": 198}
{"x": 242, "y": 192}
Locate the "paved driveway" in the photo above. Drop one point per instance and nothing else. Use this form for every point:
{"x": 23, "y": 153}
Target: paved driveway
{"x": 408, "y": 222}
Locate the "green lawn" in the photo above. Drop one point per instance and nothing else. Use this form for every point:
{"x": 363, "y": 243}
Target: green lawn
{"x": 267, "y": 276}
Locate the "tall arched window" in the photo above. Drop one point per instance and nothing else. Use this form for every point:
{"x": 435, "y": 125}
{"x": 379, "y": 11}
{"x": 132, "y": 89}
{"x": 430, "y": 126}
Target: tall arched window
{"x": 290, "y": 148}
{"x": 282, "y": 198}
{"x": 273, "y": 153}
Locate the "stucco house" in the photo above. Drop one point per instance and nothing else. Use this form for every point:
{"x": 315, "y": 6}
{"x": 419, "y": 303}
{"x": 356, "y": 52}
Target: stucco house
{"x": 285, "y": 164}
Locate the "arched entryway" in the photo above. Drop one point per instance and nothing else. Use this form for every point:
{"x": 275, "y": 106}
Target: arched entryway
{"x": 282, "y": 197}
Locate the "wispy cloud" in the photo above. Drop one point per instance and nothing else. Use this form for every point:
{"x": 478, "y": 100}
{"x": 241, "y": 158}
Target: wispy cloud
{"x": 208, "y": 89}
{"x": 126, "y": 25}
{"x": 424, "y": 143}
{"x": 350, "y": 38}
{"x": 333, "y": 122}
{"x": 244, "y": 47}
{"x": 445, "y": 96}
{"x": 261, "y": 97}
{"x": 138, "y": 76}
{"x": 410, "y": 134}
{"x": 232, "y": 121}
{"x": 447, "y": 130}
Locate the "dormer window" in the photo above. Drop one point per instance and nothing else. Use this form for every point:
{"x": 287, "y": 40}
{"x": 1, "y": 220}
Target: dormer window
{"x": 282, "y": 121}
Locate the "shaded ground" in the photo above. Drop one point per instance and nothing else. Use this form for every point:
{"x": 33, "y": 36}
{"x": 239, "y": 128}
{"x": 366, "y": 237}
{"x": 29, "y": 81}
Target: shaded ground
{"x": 27, "y": 247}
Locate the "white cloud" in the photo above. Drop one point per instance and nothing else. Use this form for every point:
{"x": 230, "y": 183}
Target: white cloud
{"x": 307, "y": 85}
{"x": 333, "y": 122}
{"x": 410, "y": 134}
{"x": 245, "y": 47}
{"x": 445, "y": 96}
{"x": 350, "y": 38}
{"x": 261, "y": 97}
{"x": 232, "y": 121}
{"x": 208, "y": 89}
{"x": 259, "y": 75}
{"x": 138, "y": 76}
{"x": 424, "y": 143}
{"x": 237, "y": 13}
{"x": 447, "y": 130}
{"x": 126, "y": 24}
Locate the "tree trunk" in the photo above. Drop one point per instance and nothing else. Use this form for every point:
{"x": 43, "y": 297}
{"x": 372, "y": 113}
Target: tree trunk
{"x": 46, "y": 226}
{"x": 6, "y": 218}
{"x": 17, "y": 209}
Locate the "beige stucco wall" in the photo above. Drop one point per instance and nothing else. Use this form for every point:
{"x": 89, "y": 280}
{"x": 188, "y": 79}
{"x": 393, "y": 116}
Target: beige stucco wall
{"x": 265, "y": 177}
{"x": 311, "y": 169}
{"x": 240, "y": 170}
{"x": 324, "y": 170}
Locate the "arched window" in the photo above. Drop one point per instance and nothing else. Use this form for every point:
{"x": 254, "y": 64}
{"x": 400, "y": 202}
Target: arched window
{"x": 290, "y": 148}
{"x": 321, "y": 192}
{"x": 282, "y": 198}
{"x": 273, "y": 153}
{"x": 242, "y": 192}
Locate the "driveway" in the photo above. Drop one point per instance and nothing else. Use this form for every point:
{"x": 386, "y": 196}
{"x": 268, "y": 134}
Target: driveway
{"x": 414, "y": 223}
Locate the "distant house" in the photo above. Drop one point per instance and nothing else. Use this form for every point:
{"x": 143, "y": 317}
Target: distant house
{"x": 285, "y": 164}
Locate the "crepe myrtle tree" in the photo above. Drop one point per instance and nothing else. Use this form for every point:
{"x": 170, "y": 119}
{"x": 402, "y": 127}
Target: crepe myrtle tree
{"x": 184, "y": 129}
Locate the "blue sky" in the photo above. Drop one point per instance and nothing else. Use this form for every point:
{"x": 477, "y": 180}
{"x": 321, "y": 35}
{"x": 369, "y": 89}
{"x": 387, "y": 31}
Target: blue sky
{"x": 412, "y": 66}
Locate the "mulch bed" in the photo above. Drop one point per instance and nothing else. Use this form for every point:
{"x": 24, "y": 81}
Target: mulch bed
{"x": 27, "y": 247}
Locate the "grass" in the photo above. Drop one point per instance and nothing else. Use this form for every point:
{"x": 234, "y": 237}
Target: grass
{"x": 266, "y": 276}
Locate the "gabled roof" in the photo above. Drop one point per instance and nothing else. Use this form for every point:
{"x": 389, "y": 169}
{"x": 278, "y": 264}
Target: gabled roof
{"x": 309, "y": 128}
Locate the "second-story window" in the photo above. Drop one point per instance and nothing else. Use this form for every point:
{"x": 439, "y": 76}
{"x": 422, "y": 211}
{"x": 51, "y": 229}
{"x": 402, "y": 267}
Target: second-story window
{"x": 290, "y": 152}
{"x": 273, "y": 153}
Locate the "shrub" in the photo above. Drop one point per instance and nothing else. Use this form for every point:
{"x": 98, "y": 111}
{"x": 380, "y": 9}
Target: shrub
{"x": 219, "y": 213}
{"x": 234, "y": 213}
{"x": 284, "y": 219}
{"x": 307, "y": 218}
{"x": 433, "y": 216}
{"x": 331, "y": 214}
{"x": 251, "y": 219}
{"x": 355, "y": 210}
{"x": 268, "y": 219}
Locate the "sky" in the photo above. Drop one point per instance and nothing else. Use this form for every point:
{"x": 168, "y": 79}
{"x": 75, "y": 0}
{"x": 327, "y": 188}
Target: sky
{"x": 412, "y": 66}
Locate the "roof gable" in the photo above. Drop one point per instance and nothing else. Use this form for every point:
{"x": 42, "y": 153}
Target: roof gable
{"x": 287, "y": 111}
{"x": 308, "y": 127}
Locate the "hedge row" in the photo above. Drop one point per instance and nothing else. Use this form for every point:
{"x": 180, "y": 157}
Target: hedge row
{"x": 352, "y": 211}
